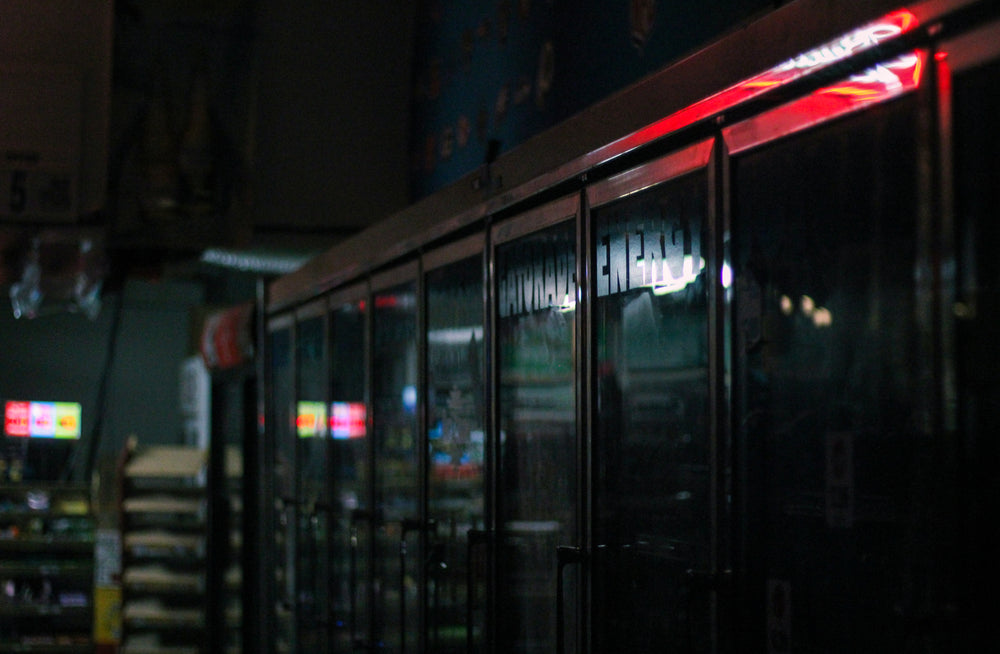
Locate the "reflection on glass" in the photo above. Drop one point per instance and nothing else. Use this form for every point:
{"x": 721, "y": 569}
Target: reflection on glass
{"x": 350, "y": 538}
{"x": 977, "y": 152}
{"x": 456, "y": 445}
{"x": 536, "y": 291}
{"x": 831, "y": 402}
{"x": 282, "y": 383}
{"x": 310, "y": 419}
{"x": 397, "y": 481}
{"x": 312, "y": 518}
{"x": 651, "y": 461}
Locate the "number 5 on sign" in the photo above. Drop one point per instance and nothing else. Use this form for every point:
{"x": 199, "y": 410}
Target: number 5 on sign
{"x": 36, "y": 192}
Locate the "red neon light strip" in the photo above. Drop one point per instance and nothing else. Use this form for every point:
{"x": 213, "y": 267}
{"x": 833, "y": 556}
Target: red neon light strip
{"x": 859, "y": 40}
{"x": 829, "y": 102}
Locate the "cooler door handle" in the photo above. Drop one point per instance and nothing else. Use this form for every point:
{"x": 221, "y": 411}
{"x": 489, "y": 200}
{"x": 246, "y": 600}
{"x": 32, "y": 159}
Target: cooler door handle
{"x": 358, "y": 516}
{"x": 565, "y": 555}
{"x": 434, "y": 565}
{"x": 474, "y": 538}
{"x": 406, "y": 526}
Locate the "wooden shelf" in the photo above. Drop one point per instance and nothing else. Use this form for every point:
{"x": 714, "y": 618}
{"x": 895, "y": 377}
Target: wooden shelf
{"x": 164, "y": 540}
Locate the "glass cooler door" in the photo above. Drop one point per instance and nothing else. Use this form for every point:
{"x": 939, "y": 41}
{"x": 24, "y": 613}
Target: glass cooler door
{"x": 652, "y": 448}
{"x": 456, "y": 444}
{"x": 398, "y": 554}
{"x": 349, "y": 476}
{"x": 834, "y": 398}
{"x": 977, "y": 311}
{"x": 311, "y": 495}
{"x": 282, "y": 441}
{"x": 535, "y": 282}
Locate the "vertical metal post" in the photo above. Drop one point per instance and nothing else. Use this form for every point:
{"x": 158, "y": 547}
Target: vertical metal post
{"x": 374, "y": 514}
{"x": 944, "y": 202}
{"x": 218, "y": 519}
{"x": 586, "y": 406}
{"x": 719, "y": 318}
{"x": 258, "y": 505}
{"x": 492, "y": 454}
{"x": 423, "y": 464}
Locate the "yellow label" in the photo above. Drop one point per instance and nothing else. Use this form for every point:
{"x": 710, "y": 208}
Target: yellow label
{"x": 107, "y": 615}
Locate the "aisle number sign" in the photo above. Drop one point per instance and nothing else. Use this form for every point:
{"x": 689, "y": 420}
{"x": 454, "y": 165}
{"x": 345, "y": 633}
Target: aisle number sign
{"x": 42, "y": 419}
{"x": 36, "y": 193}
{"x": 42, "y": 147}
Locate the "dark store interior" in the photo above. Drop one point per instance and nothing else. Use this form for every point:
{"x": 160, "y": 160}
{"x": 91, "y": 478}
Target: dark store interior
{"x": 498, "y": 326}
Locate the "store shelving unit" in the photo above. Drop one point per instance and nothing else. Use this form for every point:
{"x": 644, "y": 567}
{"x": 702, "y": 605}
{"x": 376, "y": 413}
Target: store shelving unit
{"x": 164, "y": 522}
{"x": 46, "y": 569}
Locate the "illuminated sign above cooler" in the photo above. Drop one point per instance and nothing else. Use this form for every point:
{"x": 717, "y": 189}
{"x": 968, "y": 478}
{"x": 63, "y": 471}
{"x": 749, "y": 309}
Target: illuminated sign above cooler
{"x": 310, "y": 419}
{"x": 345, "y": 420}
{"x": 42, "y": 419}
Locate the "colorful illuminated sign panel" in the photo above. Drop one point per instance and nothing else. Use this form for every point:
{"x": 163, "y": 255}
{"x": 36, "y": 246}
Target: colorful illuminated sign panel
{"x": 310, "y": 420}
{"x": 67, "y": 423}
{"x": 42, "y": 419}
{"x": 347, "y": 420}
{"x": 17, "y": 419}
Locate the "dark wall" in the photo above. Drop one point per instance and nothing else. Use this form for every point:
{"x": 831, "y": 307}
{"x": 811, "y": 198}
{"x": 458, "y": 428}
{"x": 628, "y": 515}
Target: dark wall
{"x": 63, "y": 357}
{"x": 332, "y": 98}
{"x": 507, "y": 70}
{"x": 290, "y": 117}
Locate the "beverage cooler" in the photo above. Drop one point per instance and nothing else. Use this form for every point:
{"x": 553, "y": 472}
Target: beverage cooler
{"x": 538, "y": 457}
{"x": 714, "y": 381}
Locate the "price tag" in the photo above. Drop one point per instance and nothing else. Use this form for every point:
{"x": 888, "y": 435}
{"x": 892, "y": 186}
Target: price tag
{"x": 32, "y": 193}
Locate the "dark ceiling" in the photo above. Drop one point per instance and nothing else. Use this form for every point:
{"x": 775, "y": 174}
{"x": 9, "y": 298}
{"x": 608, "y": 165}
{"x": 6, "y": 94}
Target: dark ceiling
{"x": 262, "y": 126}
{"x": 269, "y": 122}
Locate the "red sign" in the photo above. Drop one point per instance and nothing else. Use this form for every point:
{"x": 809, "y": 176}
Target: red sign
{"x": 226, "y": 338}
{"x": 17, "y": 420}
